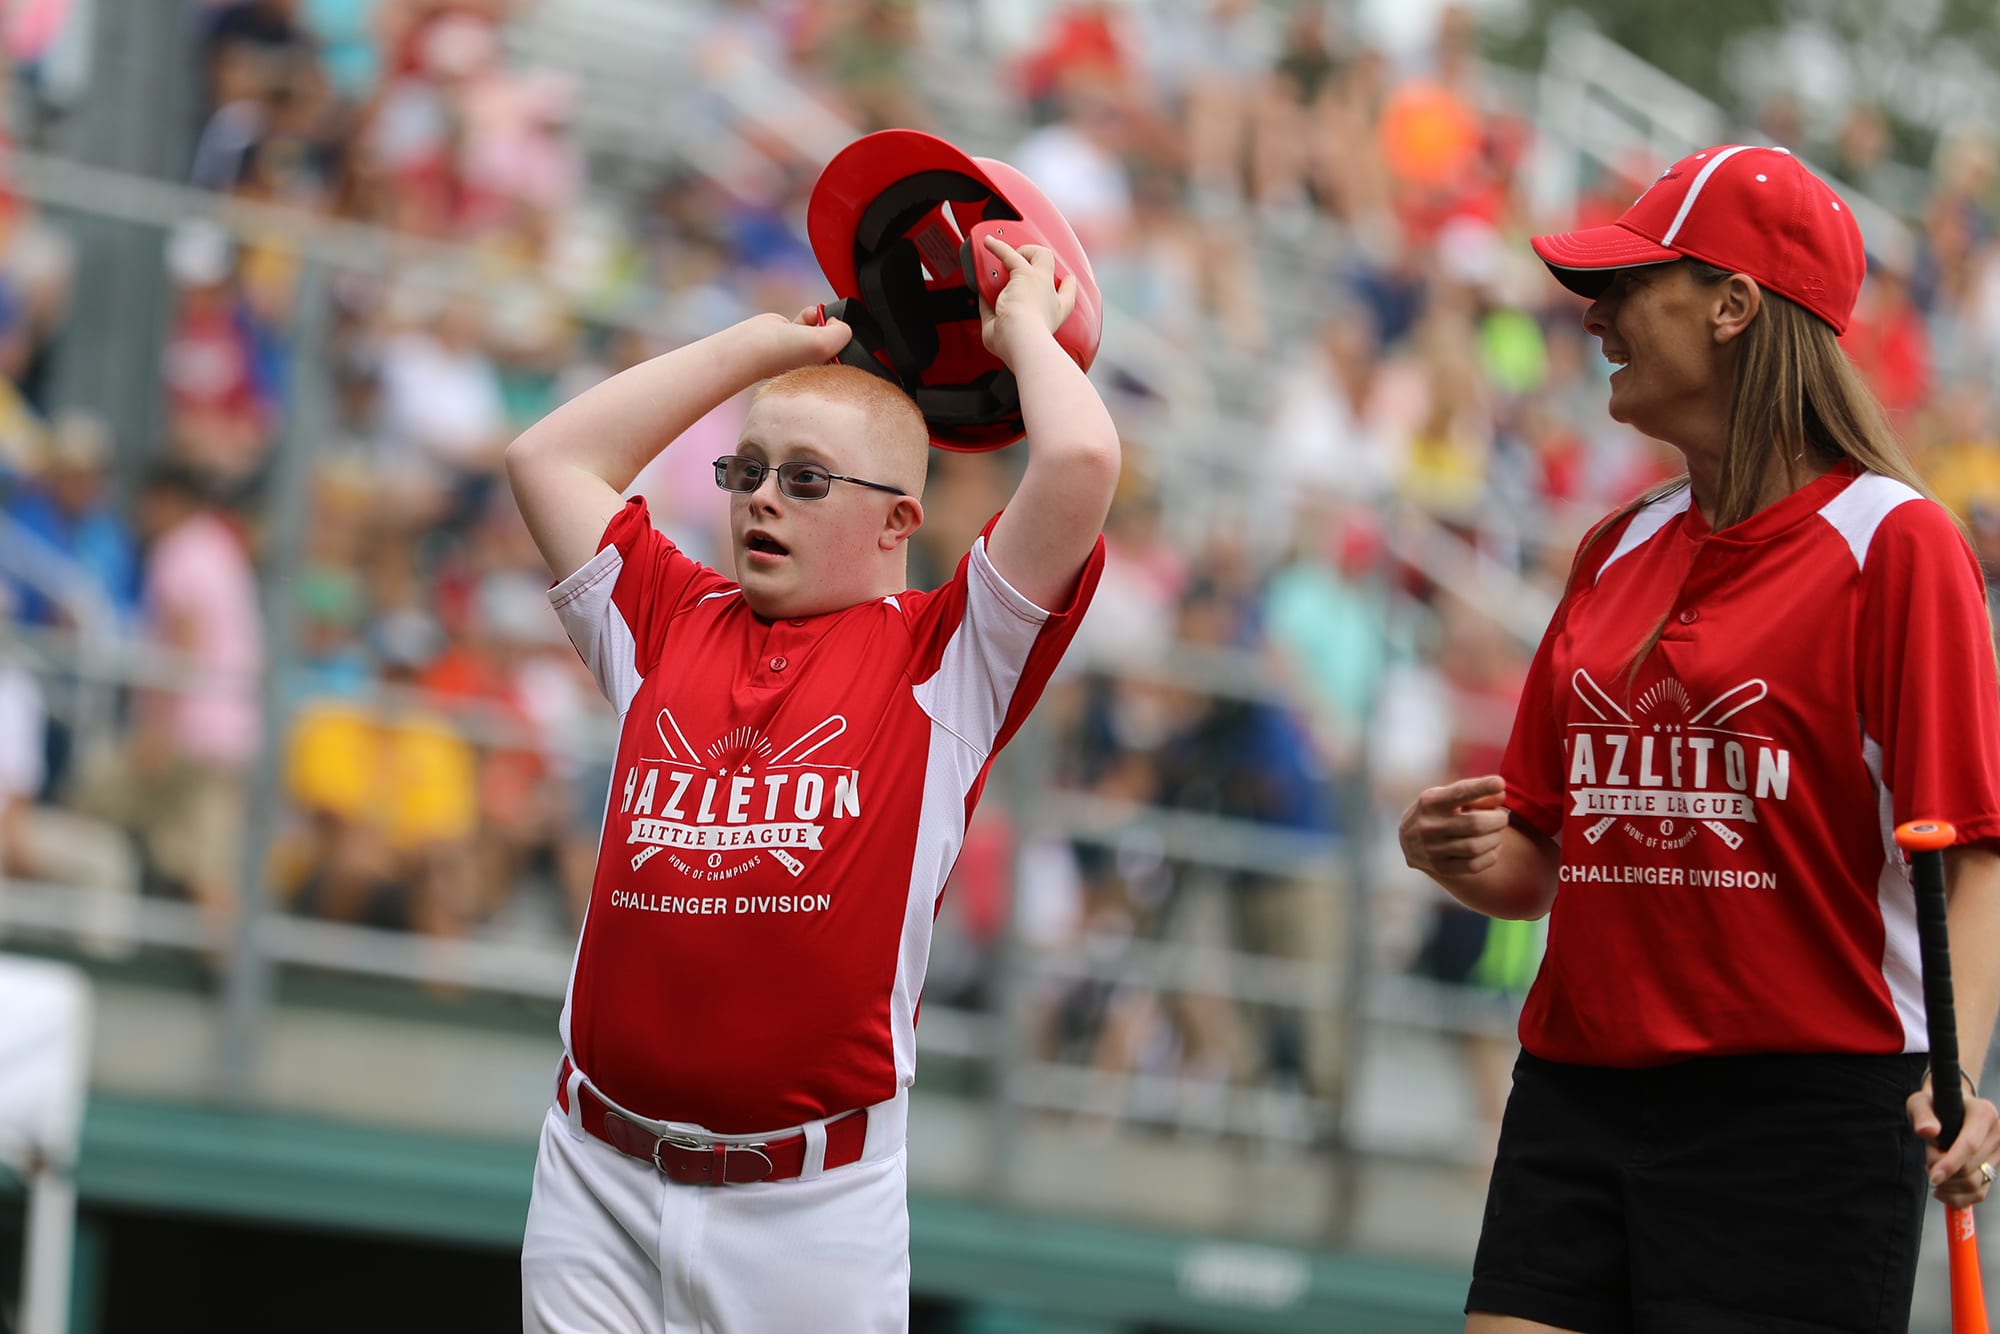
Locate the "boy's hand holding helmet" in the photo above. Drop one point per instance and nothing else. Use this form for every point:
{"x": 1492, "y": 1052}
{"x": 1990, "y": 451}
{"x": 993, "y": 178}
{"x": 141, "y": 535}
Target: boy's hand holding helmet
{"x": 1031, "y": 302}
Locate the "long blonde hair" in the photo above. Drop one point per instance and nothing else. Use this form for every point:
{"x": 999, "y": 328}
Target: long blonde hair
{"x": 1797, "y": 399}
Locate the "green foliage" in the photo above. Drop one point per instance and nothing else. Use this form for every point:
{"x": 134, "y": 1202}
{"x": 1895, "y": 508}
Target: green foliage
{"x": 1685, "y": 38}
{"x": 1931, "y": 65}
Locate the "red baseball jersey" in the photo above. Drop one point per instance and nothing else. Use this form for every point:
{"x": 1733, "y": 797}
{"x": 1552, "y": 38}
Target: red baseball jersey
{"x": 1729, "y": 876}
{"x": 788, "y": 800}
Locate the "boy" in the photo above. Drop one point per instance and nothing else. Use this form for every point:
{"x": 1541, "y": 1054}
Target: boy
{"x": 799, "y": 752}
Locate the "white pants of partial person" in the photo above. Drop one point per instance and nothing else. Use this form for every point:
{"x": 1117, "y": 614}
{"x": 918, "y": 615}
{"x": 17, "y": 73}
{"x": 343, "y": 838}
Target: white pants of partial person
{"x": 614, "y": 1247}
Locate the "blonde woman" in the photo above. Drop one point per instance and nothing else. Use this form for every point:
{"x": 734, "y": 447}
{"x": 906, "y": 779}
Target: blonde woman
{"x": 1719, "y": 1120}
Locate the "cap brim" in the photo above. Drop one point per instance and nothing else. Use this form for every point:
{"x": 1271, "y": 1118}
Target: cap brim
{"x": 857, "y": 176}
{"x": 1584, "y": 261}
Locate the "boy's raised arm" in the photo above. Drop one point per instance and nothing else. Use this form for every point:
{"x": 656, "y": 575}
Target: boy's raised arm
{"x": 569, "y": 469}
{"x": 1050, "y": 526}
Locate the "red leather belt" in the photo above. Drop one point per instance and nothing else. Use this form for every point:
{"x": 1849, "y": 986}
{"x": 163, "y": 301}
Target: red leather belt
{"x": 692, "y": 1160}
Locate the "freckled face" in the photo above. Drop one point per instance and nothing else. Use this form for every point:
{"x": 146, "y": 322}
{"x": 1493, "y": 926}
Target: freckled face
{"x": 808, "y": 557}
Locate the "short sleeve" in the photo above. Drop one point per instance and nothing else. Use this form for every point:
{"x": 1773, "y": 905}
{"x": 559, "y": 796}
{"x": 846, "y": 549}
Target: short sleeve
{"x": 982, "y": 653}
{"x": 618, "y": 606}
{"x": 1925, "y": 671}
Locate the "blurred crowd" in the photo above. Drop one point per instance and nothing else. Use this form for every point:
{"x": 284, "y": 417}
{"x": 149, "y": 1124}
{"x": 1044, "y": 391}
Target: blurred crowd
{"x": 1333, "y": 234}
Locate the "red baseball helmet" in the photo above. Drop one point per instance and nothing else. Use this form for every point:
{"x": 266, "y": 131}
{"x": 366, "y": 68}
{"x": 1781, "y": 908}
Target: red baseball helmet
{"x": 898, "y": 221}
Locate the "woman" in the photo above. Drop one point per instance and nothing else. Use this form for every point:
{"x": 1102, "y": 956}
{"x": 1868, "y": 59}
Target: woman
{"x": 1719, "y": 1116}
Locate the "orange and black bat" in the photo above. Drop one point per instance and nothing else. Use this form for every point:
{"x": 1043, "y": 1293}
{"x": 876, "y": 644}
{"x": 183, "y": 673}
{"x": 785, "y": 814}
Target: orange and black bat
{"x": 1925, "y": 841}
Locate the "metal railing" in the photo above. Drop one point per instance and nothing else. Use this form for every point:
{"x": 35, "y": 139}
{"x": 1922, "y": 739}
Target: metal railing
{"x": 988, "y": 1039}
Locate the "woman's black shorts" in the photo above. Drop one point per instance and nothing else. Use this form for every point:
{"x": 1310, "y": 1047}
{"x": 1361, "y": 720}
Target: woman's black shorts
{"x": 1721, "y": 1195}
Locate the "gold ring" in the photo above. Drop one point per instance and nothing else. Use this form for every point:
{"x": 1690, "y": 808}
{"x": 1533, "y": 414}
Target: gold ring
{"x": 1986, "y": 1170}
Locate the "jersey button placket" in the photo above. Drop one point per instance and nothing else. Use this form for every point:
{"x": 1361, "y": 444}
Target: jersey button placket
{"x": 1690, "y": 616}
{"x": 778, "y": 663}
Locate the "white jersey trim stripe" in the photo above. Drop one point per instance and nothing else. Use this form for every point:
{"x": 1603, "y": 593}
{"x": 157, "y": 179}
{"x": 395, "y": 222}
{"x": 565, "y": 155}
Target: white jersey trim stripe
{"x": 595, "y": 625}
{"x": 1645, "y": 524}
{"x": 1902, "y": 967}
{"x": 1858, "y": 511}
{"x": 974, "y": 684}
{"x": 966, "y": 699}
{"x": 1694, "y": 191}
{"x": 950, "y": 769}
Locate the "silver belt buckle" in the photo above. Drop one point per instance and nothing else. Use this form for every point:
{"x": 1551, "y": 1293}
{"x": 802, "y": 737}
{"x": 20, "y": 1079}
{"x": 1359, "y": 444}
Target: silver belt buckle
{"x": 678, "y": 1141}
{"x": 718, "y": 1151}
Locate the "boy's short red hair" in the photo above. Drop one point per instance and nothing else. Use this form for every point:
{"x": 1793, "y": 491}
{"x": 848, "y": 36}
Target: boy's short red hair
{"x": 901, "y": 422}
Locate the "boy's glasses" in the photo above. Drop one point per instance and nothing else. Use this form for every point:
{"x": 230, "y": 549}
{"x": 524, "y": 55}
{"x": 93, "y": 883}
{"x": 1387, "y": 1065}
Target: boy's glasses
{"x": 800, "y": 481}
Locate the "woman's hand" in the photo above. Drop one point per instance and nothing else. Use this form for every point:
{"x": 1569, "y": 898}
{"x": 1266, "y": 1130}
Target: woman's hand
{"x": 1456, "y": 829}
{"x": 1958, "y": 1177}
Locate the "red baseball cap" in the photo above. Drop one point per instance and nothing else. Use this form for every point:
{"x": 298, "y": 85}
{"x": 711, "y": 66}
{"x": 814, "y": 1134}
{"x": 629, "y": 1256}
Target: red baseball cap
{"x": 1750, "y": 210}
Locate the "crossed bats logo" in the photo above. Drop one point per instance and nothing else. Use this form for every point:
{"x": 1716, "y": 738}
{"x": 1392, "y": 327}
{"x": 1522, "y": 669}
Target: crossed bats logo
{"x": 1670, "y": 702}
{"x": 737, "y": 748}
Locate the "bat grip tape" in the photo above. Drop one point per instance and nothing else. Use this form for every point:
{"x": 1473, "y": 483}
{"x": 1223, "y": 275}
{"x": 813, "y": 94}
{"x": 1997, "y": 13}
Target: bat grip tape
{"x": 1941, "y": 1017}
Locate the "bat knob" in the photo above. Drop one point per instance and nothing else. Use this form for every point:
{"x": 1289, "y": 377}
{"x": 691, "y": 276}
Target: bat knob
{"x": 1925, "y": 836}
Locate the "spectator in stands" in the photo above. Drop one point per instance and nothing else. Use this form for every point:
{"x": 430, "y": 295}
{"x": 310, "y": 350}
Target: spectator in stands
{"x": 267, "y": 31}
{"x": 388, "y": 796}
{"x": 1889, "y": 344}
{"x": 501, "y": 623}
{"x": 342, "y": 30}
{"x": 1861, "y": 153}
{"x": 1327, "y": 617}
{"x": 69, "y": 508}
{"x": 1223, "y": 57}
{"x": 443, "y": 416}
{"x": 1333, "y": 426}
{"x": 219, "y": 420}
{"x": 23, "y": 434}
{"x": 1431, "y": 140}
{"x": 249, "y": 94}
{"x": 181, "y": 779}
{"x": 1144, "y": 577}
{"x": 37, "y": 270}
{"x": 1085, "y": 41}
{"x": 414, "y": 134}
{"x": 43, "y": 842}
{"x": 1309, "y": 111}
{"x": 961, "y": 493}
{"x": 971, "y": 928}
{"x": 866, "y": 51}
{"x": 1077, "y": 160}
{"x": 518, "y": 154}
{"x": 1958, "y": 447}
{"x": 1252, "y": 761}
